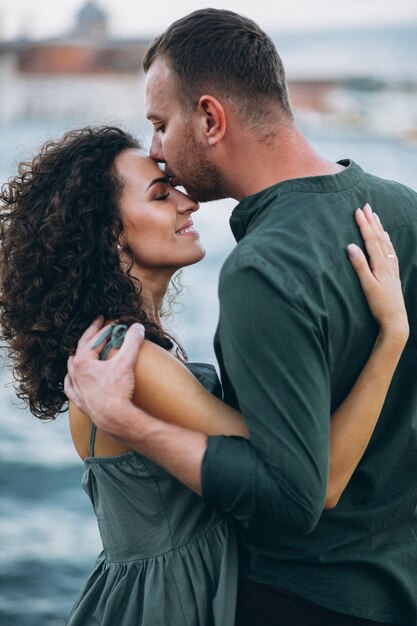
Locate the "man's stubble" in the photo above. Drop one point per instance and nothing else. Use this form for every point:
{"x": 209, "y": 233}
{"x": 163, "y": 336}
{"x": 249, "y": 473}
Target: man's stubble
{"x": 201, "y": 177}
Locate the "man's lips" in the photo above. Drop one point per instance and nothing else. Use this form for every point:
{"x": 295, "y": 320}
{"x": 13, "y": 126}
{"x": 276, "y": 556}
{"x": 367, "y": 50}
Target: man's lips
{"x": 169, "y": 174}
{"x": 173, "y": 180}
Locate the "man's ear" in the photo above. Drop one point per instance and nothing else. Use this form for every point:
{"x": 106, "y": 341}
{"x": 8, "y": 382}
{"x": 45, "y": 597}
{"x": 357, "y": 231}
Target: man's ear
{"x": 213, "y": 118}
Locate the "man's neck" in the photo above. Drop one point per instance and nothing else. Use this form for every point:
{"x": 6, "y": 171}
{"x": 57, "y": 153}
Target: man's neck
{"x": 258, "y": 165}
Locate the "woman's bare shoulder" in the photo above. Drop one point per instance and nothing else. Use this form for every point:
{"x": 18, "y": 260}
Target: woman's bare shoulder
{"x": 80, "y": 427}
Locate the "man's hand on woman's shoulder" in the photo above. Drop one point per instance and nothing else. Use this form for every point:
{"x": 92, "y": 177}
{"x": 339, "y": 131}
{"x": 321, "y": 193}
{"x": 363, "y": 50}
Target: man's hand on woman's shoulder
{"x": 101, "y": 388}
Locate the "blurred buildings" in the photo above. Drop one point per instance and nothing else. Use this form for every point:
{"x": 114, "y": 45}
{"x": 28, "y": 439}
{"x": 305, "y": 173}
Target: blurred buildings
{"x": 84, "y": 73}
{"x": 86, "y": 49}
{"x": 363, "y": 79}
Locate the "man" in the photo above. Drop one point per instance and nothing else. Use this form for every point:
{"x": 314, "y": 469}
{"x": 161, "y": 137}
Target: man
{"x": 293, "y": 335}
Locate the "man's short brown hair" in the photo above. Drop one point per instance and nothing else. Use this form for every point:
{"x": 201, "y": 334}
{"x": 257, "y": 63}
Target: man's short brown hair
{"x": 227, "y": 53}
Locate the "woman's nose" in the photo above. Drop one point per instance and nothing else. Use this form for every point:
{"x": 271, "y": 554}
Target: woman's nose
{"x": 187, "y": 205}
{"x": 195, "y": 206}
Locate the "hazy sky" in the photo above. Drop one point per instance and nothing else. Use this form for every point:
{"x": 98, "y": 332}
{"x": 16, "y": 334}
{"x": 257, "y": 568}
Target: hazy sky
{"x": 41, "y": 18}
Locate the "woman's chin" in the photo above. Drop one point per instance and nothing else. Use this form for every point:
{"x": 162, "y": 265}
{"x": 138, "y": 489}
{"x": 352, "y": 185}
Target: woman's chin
{"x": 196, "y": 258}
{"x": 202, "y": 253}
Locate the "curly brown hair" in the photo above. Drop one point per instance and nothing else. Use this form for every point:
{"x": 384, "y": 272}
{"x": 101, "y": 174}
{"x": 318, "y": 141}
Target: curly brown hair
{"x": 59, "y": 260}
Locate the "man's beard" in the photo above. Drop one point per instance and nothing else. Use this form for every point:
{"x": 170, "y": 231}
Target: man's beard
{"x": 201, "y": 178}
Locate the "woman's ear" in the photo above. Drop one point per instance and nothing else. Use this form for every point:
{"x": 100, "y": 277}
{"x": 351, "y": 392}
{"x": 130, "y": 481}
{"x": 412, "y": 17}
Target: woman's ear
{"x": 213, "y": 117}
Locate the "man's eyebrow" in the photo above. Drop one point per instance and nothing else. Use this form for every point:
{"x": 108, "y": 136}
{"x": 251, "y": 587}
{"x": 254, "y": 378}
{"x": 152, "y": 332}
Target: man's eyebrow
{"x": 162, "y": 179}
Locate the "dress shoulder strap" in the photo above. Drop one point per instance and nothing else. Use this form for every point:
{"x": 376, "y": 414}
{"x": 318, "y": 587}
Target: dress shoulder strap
{"x": 115, "y": 334}
{"x": 92, "y": 438}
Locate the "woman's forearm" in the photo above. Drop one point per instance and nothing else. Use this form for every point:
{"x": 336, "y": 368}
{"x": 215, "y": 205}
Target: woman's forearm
{"x": 353, "y": 423}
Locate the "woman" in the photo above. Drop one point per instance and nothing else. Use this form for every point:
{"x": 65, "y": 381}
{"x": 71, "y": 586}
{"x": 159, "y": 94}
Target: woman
{"x": 92, "y": 226}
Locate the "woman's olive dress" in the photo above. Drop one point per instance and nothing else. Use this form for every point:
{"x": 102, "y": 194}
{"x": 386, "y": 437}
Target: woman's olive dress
{"x": 167, "y": 559}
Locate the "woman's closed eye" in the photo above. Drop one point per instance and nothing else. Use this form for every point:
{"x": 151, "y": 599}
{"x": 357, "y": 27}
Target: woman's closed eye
{"x": 159, "y": 188}
{"x": 163, "y": 197}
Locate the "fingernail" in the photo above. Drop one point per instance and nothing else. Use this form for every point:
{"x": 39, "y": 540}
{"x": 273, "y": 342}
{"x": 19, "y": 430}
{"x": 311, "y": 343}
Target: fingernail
{"x": 353, "y": 250}
{"x": 377, "y": 218}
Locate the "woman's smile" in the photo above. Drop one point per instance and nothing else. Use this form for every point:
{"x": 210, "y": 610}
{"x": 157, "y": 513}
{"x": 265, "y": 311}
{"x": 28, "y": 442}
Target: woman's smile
{"x": 187, "y": 230}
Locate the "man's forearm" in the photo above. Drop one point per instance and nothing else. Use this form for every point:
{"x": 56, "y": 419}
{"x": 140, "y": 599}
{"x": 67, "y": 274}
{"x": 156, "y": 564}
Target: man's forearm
{"x": 178, "y": 450}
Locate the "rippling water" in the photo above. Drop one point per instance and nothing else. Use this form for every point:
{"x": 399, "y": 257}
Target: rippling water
{"x": 48, "y": 534}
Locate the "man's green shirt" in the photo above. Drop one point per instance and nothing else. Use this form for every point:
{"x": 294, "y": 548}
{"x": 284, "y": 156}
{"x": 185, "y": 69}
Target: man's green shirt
{"x": 294, "y": 333}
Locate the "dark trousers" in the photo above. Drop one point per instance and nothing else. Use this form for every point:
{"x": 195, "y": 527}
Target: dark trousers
{"x": 265, "y": 605}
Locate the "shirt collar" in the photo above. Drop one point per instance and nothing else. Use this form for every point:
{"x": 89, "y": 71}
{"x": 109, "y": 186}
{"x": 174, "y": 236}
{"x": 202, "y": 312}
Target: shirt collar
{"x": 252, "y": 205}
